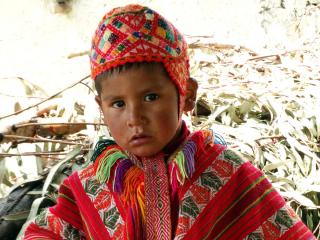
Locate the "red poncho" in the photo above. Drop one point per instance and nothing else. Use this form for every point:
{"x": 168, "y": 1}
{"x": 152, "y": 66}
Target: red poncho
{"x": 212, "y": 194}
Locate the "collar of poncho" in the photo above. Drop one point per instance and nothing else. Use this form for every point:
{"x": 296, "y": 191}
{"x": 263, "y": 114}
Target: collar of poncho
{"x": 146, "y": 184}
{"x": 108, "y": 157}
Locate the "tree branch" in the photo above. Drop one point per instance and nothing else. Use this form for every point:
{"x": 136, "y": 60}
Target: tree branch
{"x": 36, "y": 139}
{"x": 53, "y": 96}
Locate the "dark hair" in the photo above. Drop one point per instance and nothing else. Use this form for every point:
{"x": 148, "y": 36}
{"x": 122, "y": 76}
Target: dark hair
{"x": 120, "y": 69}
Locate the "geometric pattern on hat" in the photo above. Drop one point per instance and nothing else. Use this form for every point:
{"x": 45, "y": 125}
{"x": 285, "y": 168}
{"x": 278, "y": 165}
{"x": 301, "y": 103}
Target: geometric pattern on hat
{"x": 135, "y": 33}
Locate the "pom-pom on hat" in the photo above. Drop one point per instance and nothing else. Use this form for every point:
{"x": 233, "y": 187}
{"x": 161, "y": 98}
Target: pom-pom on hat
{"x": 135, "y": 33}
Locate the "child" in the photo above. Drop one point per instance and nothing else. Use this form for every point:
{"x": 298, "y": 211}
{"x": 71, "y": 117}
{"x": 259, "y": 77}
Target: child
{"x": 157, "y": 180}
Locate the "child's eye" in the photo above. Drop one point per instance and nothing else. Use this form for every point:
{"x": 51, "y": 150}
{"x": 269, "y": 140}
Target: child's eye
{"x": 118, "y": 104}
{"x": 151, "y": 97}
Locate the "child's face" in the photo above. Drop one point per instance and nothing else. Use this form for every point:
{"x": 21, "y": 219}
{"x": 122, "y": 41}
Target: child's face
{"x": 140, "y": 107}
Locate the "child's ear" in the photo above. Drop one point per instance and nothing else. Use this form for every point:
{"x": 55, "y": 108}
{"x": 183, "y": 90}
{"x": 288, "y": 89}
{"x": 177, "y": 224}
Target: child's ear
{"x": 98, "y": 100}
{"x": 191, "y": 95}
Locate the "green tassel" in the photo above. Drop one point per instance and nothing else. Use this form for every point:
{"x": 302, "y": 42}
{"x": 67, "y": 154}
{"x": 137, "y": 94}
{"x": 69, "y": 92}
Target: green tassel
{"x": 106, "y": 163}
{"x": 180, "y": 161}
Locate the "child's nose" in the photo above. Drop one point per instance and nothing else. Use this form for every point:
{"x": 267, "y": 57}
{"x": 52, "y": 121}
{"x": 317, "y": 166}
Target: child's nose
{"x": 135, "y": 116}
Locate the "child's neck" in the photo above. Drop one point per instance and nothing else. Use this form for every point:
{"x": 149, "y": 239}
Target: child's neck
{"x": 178, "y": 139}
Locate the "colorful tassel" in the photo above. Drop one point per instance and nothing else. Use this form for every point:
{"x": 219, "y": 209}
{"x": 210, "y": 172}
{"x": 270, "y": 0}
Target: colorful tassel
{"x": 218, "y": 139}
{"x": 189, "y": 152}
{"x": 120, "y": 172}
{"x": 101, "y": 145}
{"x": 180, "y": 161}
{"x": 107, "y": 153}
{"x": 175, "y": 177}
{"x": 106, "y": 162}
{"x": 184, "y": 161}
{"x": 133, "y": 190}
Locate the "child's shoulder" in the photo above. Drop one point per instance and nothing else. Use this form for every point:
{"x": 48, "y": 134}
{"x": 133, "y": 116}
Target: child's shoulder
{"x": 226, "y": 153}
{"x": 214, "y": 155}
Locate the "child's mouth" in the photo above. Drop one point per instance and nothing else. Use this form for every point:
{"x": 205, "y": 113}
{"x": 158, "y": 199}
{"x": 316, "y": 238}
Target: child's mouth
{"x": 139, "y": 139}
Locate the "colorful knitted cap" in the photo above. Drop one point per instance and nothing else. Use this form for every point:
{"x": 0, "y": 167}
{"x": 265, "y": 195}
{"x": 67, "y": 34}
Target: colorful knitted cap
{"x": 135, "y": 33}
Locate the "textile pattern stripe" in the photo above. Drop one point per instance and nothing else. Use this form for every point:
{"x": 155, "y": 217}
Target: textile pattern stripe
{"x": 248, "y": 193}
{"x": 94, "y": 225}
{"x": 213, "y": 177}
{"x": 104, "y": 202}
{"x": 157, "y": 199}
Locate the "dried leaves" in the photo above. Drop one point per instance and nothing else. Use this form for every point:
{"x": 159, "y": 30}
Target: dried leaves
{"x": 268, "y": 107}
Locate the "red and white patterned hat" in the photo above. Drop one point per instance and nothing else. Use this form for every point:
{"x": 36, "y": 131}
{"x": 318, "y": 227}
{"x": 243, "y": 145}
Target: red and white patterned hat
{"x": 135, "y": 33}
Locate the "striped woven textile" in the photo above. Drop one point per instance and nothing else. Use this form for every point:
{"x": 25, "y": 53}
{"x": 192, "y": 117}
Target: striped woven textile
{"x": 214, "y": 194}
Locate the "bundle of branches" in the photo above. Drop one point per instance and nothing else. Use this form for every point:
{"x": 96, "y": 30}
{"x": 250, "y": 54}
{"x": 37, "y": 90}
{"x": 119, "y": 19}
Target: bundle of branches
{"x": 267, "y": 107}
{"x": 56, "y": 134}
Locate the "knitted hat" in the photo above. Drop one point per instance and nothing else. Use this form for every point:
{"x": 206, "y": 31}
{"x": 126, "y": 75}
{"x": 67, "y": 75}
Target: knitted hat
{"x": 135, "y": 33}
